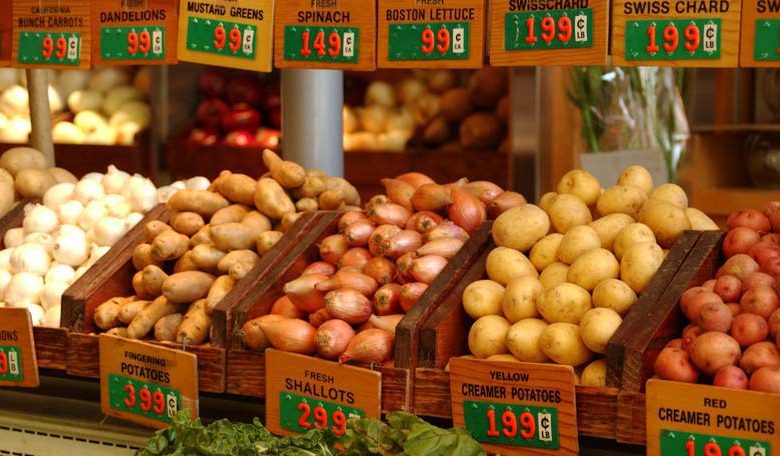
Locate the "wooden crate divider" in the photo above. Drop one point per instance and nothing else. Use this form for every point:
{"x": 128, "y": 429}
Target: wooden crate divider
{"x": 444, "y": 335}
{"x": 50, "y": 343}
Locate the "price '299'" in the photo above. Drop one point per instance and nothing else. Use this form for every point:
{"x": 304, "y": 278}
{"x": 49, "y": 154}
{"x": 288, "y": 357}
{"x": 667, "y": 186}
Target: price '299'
{"x": 511, "y": 425}
{"x": 321, "y": 419}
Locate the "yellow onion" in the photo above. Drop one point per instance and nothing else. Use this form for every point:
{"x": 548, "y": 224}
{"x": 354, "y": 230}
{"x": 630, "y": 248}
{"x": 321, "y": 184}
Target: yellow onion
{"x": 369, "y": 346}
{"x": 349, "y": 279}
{"x": 410, "y": 293}
{"x": 399, "y": 192}
{"x": 348, "y": 305}
{"x": 290, "y": 335}
{"x": 426, "y": 268}
{"x": 444, "y": 247}
{"x": 303, "y": 294}
{"x": 387, "y": 299}
{"x": 332, "y": 338}
{"x": 466, "y": 211}
{"x": 431, "y": 197}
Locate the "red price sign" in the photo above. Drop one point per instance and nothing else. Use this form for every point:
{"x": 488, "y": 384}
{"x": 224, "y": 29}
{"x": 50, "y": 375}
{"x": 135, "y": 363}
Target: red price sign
{"x": 139, "y": 42}
{"x": 440, "y": 42}
{"x": 48, "y": 45}
{"x": 144, "y": 398}
{"x": 671, "y": 38}
{"x": 321, "y": 418}
{"x": 232, "y": 38}
{"x": 333, "y": 46}
{"x": 550, "y": 30}
{"x": 509, "y": 423}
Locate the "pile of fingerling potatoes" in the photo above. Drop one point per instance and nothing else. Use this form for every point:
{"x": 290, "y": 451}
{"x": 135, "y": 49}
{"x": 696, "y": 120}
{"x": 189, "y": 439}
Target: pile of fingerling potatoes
{"x": 346, "y": 306}
{"x": 213, "y": 239}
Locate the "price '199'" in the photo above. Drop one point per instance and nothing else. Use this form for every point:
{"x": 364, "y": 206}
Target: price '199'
{"x": 671, "y": 38}
{"x": 510, "y": 425}
{"x": 562, "y": 30}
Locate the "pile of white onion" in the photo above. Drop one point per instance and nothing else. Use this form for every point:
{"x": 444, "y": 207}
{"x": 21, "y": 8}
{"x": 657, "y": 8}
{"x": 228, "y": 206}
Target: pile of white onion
{"x": 62, "y": 238}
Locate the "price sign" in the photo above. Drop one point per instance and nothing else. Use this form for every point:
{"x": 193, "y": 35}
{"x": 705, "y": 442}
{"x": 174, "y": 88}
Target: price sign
{"x": 415, "y": 34}
{"x": 236, "y": 34}
{"x": 507, "y": 406}
{"x": 144, "y": 383}
{"x": 700, "y": 420}
{"x": 760, "y": 40}
{"x": 335, "y": 34}
{"x": 5, "y": 32}
{"x": 305, "y": 393}
{"x": 549, "y": 33}
{"x": 51, "y": 34}
{"x": 18, "y": 366}
{"x": 697, "y": 33}
{"x": 133, "y": 32}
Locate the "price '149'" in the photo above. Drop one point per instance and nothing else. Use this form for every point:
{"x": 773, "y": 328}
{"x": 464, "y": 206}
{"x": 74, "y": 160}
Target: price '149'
{"x": 319, "y": 419}
{"x": 332, "y": 48}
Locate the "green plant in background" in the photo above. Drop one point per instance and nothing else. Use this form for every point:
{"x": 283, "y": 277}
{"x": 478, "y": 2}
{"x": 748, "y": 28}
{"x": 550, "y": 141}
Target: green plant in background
{"x": 632, "y": 108}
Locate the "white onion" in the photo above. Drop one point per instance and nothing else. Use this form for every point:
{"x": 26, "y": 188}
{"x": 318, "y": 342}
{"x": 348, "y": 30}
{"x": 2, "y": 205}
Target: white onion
{"x": 108, "y": 230}
{"x": 36, "y": 313}
{"x": 70, "y": 212}
{"x": 97, "y": 177}
{"x": 97, "y": 253}
{"x": 43, "y": 239}
{"x": 89, "y": 190}
{"x": 114, "y": 180}
{"x": 24, "y": 288}
{"x": 133, "y": 218}
{"x": 179, "y": 185}
{"x": 13, "y": 237}
{"x": 39, "y": 219}
{"x": 70, "y": 229}
{"x": 5, "y": 258}
{"x": 51, "y": 295}
{"x": 93, "y": 212}
{"x": 5, "y": 279}
{"x": 59, "y": 272}
{"x": 143, "y": 197}
{"x": 58, "y": 195}
{"x": 70, "y": 249}
{"x": 30, "y": 258}
{"x": 197, "y": 183}
{"x": 51, "y": 319}
{"x": 165, "y": 193}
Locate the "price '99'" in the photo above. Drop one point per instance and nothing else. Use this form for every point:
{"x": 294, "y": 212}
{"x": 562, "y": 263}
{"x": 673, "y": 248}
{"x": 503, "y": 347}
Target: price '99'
{"x": 233, "y": 38}
{"x": 320, "y": 416}
{"x": 145, "y": 399}
{"x": 671, "y": 38}
{"x": 48, "y": 46}
{"x": 138, "y": 42}
{"x": 510, "y": 425}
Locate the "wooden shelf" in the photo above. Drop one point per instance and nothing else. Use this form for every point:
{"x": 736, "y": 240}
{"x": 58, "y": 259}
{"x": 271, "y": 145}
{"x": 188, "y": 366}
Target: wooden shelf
{"x": 723, "y": 201}
{"x": 737, "y": 128}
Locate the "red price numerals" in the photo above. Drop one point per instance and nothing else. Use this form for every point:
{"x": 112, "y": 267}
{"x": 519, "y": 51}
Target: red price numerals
{"x": 550, "y": 30}
{"x": 50, "y": 47}
{"x": 510, "y": 425}
{"x": 321, "y": 419}
{"x": 671, "y": 38}
{"x": 145, "y": 399}
{"x": 439, "y": 43}
{"x": 3, "y": 363}
{"x": 713, "y": 449}
{"x": 138, "y": 42}
{"x": 232, "y": 39}
{"x": 333, "y": 48}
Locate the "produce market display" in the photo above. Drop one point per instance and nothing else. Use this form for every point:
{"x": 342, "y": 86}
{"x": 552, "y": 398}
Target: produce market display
{"x": 731, "y": 340}
{"x": 557, "y": 289}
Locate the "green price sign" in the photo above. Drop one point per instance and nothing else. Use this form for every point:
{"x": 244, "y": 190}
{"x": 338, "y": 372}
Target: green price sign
{"x": 767, "y": 47}
{"x": 689, "y": 444}
{"x": 301, "y": 413}
{"x": 323, "y": 44}
{"x": 142, "y": 398}
{"x": 133, "y": 43}
{"x": 515, "y": 425}
{"x": 50, "y": 48}
{"x": 430, "y": 41}
{"x": 10, "y": 363}
{"x": 558, "y": 29}
{"x": 230, "y": 39}
{"x": 676, "y": 39}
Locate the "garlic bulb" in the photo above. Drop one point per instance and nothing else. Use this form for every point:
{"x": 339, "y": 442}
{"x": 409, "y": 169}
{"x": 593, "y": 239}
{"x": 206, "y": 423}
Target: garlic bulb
{"x": 71, "y": 249}
{"x": 89, "y": 190}
{"x": 143, "y": 197}
{"x": 165, "y": 193}
{"x": 96, "y": 253}
{"x": 5, "y": 258}
{"x": 114, "y": 180}
{"x": 108, "y": 230}
{"x": 36, "y": 313}
{"x": 51, "y": 319}
{"x": 5, "y": 279}
{"x": 58, "y": 195}
{"x": 93, "y": 212}
{"x": 197, "y": 183}
{"x": 13, "y": 237}
{"x": 70, "y": 212}
{"x": 44, "y": 239}
{"x": 69, "y": 229}
{"x": 39, "y": 219}
{"x": 30, "y": 258}
{"x": 97, "y": 177}
{"x": 24, "y": 288}
{"x": 179, "y": 185}
{"x": 135, "y": 179}
{"x": 117, "y": 206}
{"x": 59, "y": 272}
{"x": 51, "y": 295}
{"x": 133, "y": 218}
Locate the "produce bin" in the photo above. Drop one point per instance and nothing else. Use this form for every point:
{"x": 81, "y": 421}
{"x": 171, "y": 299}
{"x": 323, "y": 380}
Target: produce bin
{"x": 50, "y": 343}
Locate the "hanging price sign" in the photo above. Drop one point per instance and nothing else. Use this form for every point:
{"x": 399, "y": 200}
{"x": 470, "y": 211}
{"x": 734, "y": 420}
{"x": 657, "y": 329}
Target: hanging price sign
{"x": 146, "y": 384}
{"x": 134, "y": 32}
{"x": 688, "y": 33}
{"x": 509, "y": 406}
{"x": 234, "y": 34}
{"x": 5, "y": 33}
{"x": 760, "y": 40}
{"x": 51, "y": 34}
{"x": 305, "y": 393}
{"x": 701, "y": 420}
{"x": 528, "y": 32}
{"x": 441, "y": 34}
{"x": 330, "y": 34}
{"x": 18, "y": 366}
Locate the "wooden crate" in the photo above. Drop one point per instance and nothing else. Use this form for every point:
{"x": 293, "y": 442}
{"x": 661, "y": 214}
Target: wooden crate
{"x": 246, "y": 368}
{"x": 444, "y": 335}
{"x": 50, "y": 343}
{"x": 113, "y": 277}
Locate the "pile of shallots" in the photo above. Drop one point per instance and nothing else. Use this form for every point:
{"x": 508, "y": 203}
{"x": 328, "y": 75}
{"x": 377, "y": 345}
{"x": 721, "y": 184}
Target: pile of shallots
{"x": 375, "y": 269}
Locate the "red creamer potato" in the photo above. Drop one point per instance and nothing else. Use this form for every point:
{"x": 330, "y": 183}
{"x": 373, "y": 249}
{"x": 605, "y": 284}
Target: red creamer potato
{"x": 731, "y": 377}
{"x": 675, "y": 364}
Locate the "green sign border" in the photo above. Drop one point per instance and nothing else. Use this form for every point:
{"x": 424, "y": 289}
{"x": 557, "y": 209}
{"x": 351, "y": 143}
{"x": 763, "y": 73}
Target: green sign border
{"x": 200, "y": 35}
{"x": 767, "y": 40}
{"x": 636, "y": 40}
{"x": 515, "y": 30}
{"x": 474, "y": 414}
{"x": 117, "y": 395}
{"x": 30, "y": 48}
{"x": 113, "y": 42}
